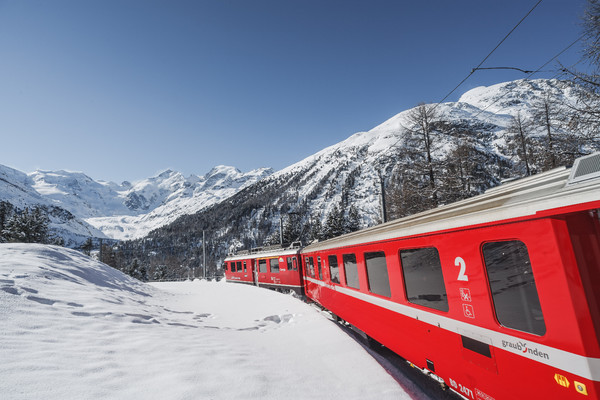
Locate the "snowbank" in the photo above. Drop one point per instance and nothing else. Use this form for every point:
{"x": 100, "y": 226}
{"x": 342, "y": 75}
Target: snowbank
{"x": 73, "y": 328}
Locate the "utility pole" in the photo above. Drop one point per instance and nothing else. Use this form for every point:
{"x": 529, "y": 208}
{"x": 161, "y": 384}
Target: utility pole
{"x": 280, "y": 229}
{"x": 204, "y": 253}
{"x": 382, "y": 198}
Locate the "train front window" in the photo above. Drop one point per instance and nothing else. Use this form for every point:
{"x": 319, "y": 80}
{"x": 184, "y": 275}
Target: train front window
{"x": 351, "y": 270}
{"x": 262, "y": 265}
{"x": 274, "y": 265}
{"x": 513, "y": 287}
{"x": 334, "y": 272}
{"x": 423, "y": 278}
{"x": 377, "y": 273}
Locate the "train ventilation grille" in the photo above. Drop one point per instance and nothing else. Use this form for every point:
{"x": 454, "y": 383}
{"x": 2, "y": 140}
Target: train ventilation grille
{"x": 585, "y": 168}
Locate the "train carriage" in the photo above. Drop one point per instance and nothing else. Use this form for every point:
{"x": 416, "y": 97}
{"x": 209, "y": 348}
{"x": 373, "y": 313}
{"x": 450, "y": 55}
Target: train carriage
{"x": 497, "y": 295}
{"x": 275, "y": 268}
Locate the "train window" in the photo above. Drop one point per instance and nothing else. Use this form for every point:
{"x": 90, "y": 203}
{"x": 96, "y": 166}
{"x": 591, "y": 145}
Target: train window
{"x": 294, "y": 264}
{"x": 377, "y": 273}
{"x": 262, "y": 265}
{"x": 334, "y": 272}
{"x": 290, "y": 264}
{"x": 245, "y": 269}
{"x": 239, "y": 266}
{"x": 319, "y": 268}
{"x": 274, "y": 265}
{"x": 513, "y": 286}
{"x": 423, "y": 278}
{"x": 351, "y": 270}
{"x": 310, "y": 266}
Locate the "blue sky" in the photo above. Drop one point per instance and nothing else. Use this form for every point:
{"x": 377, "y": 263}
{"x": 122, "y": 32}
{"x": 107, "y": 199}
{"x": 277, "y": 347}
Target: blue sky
{"x": 124, "y": 89}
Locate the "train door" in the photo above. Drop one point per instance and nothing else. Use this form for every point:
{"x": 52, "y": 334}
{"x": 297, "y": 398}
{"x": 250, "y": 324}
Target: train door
{"x": 254, "y": 271}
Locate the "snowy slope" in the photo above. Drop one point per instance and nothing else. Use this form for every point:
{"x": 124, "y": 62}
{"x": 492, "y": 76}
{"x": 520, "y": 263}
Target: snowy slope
{"x": 73, "y": 328}
{"x": 488, "y": 110}
{"x": 519, "y": 96}
{"x": 19, "y": 189}
{"x": 80, "y": 194}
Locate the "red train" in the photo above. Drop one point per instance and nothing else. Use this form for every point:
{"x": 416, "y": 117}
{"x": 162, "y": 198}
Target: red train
{"x": 498, "y": 296}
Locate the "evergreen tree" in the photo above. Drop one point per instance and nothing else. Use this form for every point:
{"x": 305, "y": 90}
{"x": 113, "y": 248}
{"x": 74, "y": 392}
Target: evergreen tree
{"x": 352, "y": 223}
{"x": 87, "y": 246}
{"x": 6, "y": 211}
{"x": 27, "y": 227}
{"x": 316, "y": 229}
{"x": 160, "y": 272}
{"x": 291, "y": 228}
{"x": 334, "y": 225}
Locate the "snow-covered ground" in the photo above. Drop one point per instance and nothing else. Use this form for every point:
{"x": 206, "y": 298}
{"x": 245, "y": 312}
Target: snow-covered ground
{"x": 73, "y": 328}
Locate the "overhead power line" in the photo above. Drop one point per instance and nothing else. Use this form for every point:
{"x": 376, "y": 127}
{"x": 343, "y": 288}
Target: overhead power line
{"x": 531, "y": 73}
{"x": 489, "y": 54}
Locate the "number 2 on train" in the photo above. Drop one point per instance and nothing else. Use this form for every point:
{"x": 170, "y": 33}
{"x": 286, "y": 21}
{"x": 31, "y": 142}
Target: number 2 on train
{"x": 459, "y": 262}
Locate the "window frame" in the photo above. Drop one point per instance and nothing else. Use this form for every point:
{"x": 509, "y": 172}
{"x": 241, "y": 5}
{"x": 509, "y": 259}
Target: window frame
{"x": 260, "y": 263}
{"x": 271, "y": 265}
{"x": 357, "y": 287}
{"x": 414, "y": 284}
{"x": 335, "y": 275}
{"x": 494, "y": 300}
{"x": 387, "y": 293}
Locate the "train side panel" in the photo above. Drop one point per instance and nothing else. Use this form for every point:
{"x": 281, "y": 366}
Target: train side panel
{"x": 457, "y": 319}
{"x": 280, "y": 272}
{"x": 240, "y": 270}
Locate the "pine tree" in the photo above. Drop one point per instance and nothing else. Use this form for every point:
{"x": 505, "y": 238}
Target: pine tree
{"x": 334, "y": 225}
{"x": 87, "y": 246}
{"x": 27, "y": 227}
{"x": 316, "y": 229}
{"x": 6, "y": 211}
{"x": 160, "y": 273}
{"x": 352, "y": 223}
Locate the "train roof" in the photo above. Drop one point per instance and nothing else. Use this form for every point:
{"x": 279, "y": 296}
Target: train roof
{"x": 548, "y": 193}
{"x": 265, "y": 252}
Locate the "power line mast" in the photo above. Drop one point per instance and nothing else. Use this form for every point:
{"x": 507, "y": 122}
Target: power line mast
{"x": 204, "y": 253}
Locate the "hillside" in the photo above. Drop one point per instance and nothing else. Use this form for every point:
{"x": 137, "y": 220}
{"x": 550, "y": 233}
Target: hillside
{"x": 473, "y": 146}
{"x": 471, "y": 152}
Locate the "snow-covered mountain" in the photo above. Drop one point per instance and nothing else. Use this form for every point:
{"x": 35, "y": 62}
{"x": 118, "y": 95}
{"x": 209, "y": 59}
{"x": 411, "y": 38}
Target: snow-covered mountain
{"x": 348, "y": 173}
{"x": 126, "y": 210}
{"x": 19, "y": 189}
{"x": 170, "y": 195}
{"x": 350, "y": 170}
